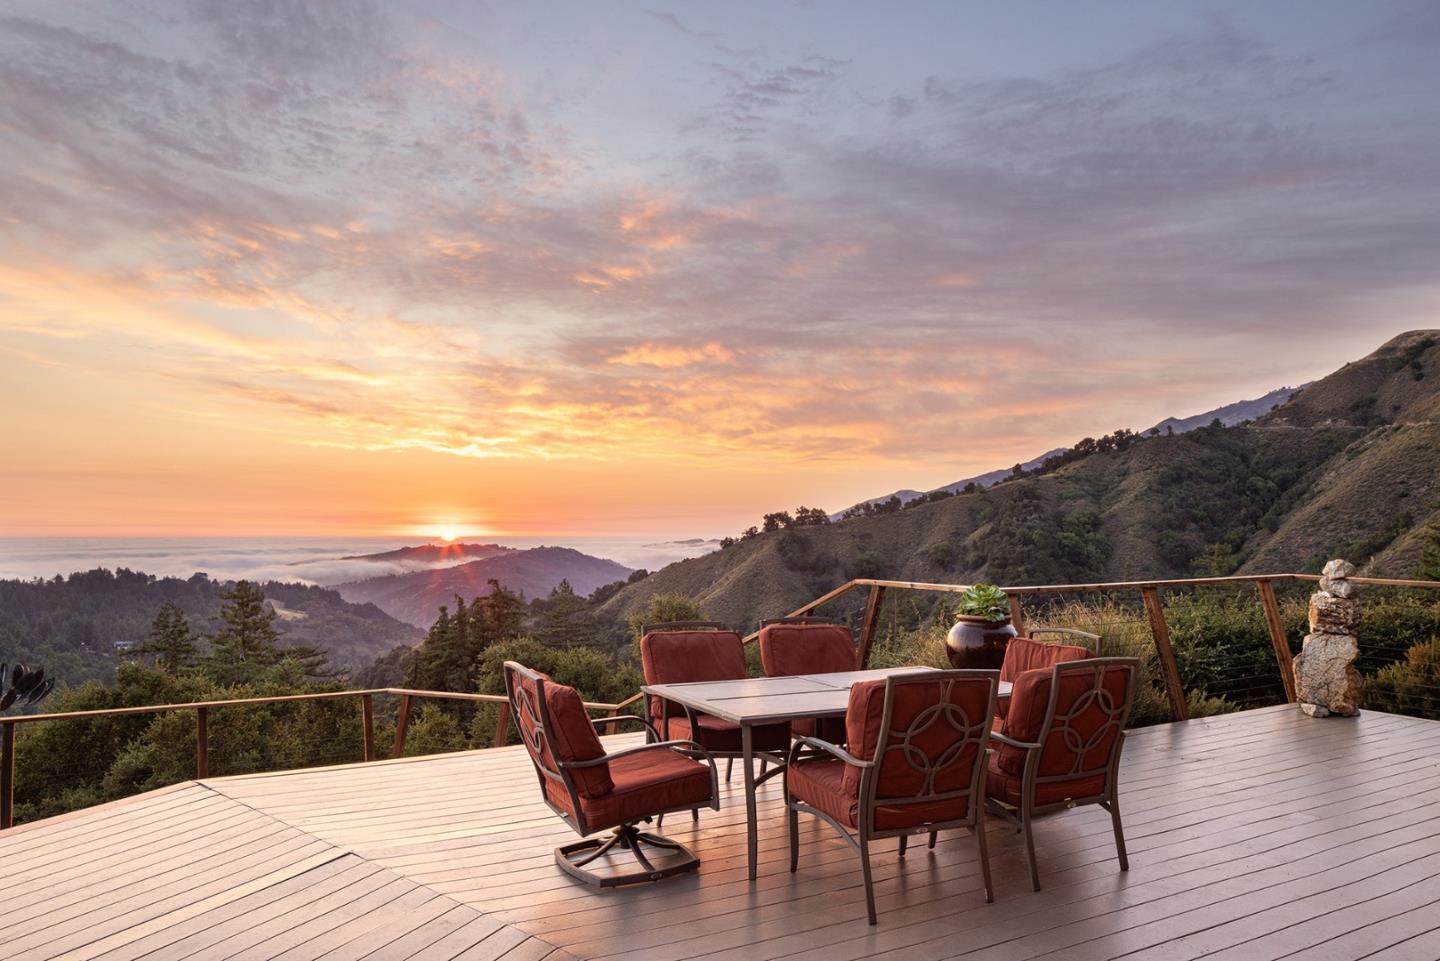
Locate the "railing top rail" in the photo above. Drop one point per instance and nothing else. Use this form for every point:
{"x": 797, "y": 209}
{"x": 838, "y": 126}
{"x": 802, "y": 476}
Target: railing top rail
{"x": 811, "y": 606}
{"x": 247, "y": 701}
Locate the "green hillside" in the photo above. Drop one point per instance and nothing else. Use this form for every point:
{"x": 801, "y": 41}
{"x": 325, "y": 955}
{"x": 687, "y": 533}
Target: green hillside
{"x": 1347, "y": 467}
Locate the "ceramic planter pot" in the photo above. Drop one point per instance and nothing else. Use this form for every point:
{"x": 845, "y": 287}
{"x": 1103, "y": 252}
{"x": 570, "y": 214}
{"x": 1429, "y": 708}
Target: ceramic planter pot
{"x": 977, "y": 643}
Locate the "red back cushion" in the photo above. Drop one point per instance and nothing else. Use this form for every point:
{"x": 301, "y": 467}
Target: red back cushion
{"x": 790, "y": 649}
{"x": 678, "y": 657}
{"x": 571, "y": 735}
{"x": 933, "y": 735}
{"x": 1093, "y": 716}
{"x": 1024, "y": 654}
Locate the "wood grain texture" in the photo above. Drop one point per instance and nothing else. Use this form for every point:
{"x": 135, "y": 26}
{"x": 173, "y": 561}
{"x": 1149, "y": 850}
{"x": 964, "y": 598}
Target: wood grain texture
{"x": 1261, "y": 835}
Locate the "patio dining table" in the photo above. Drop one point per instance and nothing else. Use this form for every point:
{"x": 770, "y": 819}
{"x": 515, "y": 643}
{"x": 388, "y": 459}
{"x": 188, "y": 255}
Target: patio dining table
{"x": 767, "y": 700}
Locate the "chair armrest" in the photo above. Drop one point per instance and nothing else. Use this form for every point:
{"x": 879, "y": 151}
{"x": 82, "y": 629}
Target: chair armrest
{"x": 627, "y": 717}
{"x": 691, "y": 748}
{"x": 1003, "y": 739}
{"x": 833, "y": 750}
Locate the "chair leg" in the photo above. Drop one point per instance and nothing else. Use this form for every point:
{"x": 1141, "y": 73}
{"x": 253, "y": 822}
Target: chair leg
{"x": 985, "y": 856}
{"x": 729, "y": 767}
{"x": 904, "y": 842}
{"x": 1028, "y": 830}
{"x": 1114, "y": 807}
{"x": 934, "y": 836}
{"x": 762, "y": 767}
{"x": 865, "y": 872}
{"x": 794, "y": 824}
{"x": 695, "y": 814}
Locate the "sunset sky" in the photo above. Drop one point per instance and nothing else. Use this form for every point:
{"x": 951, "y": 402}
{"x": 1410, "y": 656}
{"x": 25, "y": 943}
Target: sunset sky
{"x": 275, "y": 268}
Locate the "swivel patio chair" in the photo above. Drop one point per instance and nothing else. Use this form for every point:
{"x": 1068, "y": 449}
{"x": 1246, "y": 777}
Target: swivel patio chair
{"x": 1060, "y": 745}
{"x": 679, "y": 652}
{"x": 808, "y": 645}
{"x": 591, "y": 790}
{"x": 916, "y": 765}
{"x": 1027, "y": 654}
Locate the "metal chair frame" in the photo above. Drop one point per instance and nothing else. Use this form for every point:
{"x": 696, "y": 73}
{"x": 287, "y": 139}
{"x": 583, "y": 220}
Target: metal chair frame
{"x": 1068, "y": 632}
{"x": 572, "y": 858}
{"x": 975, "y": 731}
{"x": 1022, "y": 815}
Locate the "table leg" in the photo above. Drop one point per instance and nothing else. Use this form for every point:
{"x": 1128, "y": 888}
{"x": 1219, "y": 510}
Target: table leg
{"x": 747, "y": 747}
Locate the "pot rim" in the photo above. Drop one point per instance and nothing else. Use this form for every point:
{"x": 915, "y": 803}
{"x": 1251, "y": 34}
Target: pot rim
{"x": 976, "y": 619}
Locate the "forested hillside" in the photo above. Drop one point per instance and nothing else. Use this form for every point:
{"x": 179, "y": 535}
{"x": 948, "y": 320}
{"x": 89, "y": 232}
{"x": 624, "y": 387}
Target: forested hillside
{"x": 415, "y": 597}
{"x": 1347, "y": 467}
{"x": 71, "y": 625}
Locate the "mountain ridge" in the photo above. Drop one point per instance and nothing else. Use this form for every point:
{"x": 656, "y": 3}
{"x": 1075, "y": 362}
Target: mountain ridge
{"x": 1228, "y": 414}
{"x": 415, "y": 597}
{"x": 1347, "y": 465}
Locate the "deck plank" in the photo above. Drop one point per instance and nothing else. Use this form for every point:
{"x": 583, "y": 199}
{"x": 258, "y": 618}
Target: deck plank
{"x": 1253, "y": 836}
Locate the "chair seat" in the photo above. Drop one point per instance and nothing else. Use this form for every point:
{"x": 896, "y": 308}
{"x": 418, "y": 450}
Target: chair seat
{"x": 646, "y": 783}
{"x": 820, "y": 783}
{"x": 830, "y": 729}
{"x": 1004, "y": 786}
{"x": 720, "y": 735}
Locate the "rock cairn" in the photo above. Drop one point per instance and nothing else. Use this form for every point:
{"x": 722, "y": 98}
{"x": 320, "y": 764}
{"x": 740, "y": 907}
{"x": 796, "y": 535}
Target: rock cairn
{"x": 1326, "y": 680}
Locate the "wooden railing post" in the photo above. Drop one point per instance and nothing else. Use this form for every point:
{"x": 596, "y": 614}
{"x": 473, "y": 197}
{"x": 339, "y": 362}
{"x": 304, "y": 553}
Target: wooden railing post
{"x": 502, "y": 725}
{"x": 1017, "y": 616}
{"x": 202, "y": 742}
{"x": 7, "y": 774}
{"x": 1277, "y": 638}
{"x": 1169, "y": 668}
{"x": 367, "y": 725}
{"x": 870, "y": 623}
{"x": 402, "y": 721}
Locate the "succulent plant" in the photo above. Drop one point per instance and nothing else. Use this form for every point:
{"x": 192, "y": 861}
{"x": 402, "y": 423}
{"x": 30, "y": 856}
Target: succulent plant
{"x": 985, "y": 601}
{"x": 20, "y": 685}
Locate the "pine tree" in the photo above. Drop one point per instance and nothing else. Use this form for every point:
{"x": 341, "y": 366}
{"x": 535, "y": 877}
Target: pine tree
{"x": 248, "y": 637}
{"x": 249, "y": 642}
{"x": 170, "y": 640}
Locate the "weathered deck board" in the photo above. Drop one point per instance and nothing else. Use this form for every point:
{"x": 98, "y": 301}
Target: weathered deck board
{"x": 1261, "y": 835}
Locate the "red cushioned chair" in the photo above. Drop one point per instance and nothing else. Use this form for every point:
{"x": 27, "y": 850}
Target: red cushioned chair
{"x": 1028, "y": 654}
{"x": 680, "y": 652}
{"x": 809, "y": 645}
{"x": 1060, "y": 745}
{"x": 918, "y": 765}
{"x": 592, "y": 790}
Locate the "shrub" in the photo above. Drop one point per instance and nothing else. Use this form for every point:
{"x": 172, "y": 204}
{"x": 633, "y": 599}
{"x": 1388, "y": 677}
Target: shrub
{"x": 1411, "y": 686}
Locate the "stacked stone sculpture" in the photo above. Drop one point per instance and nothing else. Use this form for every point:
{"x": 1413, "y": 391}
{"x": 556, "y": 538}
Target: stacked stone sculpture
{"x": 1326, "y": 681}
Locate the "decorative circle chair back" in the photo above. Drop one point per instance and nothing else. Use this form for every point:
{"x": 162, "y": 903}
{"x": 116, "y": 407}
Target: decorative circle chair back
{"x": 1077, "y": 712}
{"x": 926, "y": 734}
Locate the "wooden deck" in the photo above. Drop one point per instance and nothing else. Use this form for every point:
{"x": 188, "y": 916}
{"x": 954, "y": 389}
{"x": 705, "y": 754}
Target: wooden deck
{"x": 1261, "y": 835}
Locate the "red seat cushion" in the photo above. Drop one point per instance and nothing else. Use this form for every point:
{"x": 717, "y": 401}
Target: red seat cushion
{"x": 1024, "y": 654}
{"x": 820, "y": 783}
{"x": 790, "y": 649}
{"x": 830, "y": 729}
{"x": 719, "y": 735}
{"x": 647, "y": 783}
{"x": 1004, "y": 786}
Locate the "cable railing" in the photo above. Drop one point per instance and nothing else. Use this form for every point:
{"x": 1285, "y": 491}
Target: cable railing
{"x": 1026, "y": 602}
{"x": 202, "y": 711}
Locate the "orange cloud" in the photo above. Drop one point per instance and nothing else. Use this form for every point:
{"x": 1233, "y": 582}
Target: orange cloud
{"x": 671, "y": 355}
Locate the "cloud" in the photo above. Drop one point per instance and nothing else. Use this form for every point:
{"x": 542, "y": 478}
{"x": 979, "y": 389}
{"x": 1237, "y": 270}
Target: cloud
{"x": 382, "y": 243}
